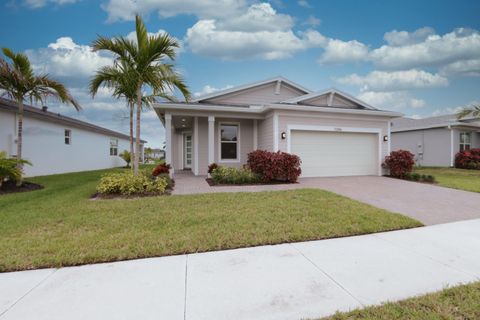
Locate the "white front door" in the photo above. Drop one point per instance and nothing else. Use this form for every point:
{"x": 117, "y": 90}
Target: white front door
{"x": 187, "y": 150}
{"x": 325, "y": 154}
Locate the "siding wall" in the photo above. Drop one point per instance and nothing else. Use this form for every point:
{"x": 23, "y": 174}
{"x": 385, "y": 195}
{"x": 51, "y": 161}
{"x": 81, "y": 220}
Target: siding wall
{"x": 44, "y": 146}
{"x": 434, "y": 143}
{"x": 265, "y": 133}
{"x": 246, "y": 140}
{"x": 258, "y": 95}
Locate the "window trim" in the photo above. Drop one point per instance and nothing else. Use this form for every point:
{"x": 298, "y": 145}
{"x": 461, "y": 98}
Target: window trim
{"x": 69, "y": 137}
{"x": 116, "y": 147}
{"x": 469, "y": 144}
{"x": 220, "y": 124}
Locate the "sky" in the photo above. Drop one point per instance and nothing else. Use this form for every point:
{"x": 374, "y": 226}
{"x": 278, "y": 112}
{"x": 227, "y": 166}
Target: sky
{"x": 420, "y": 58}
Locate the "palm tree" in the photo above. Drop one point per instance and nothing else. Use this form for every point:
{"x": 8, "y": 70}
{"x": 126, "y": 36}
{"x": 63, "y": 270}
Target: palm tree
{"x": 19, "y": 83}
{"x": 148, "y": 70}
{"x": 119, "y": 78}
{"x": 473, "y": 110}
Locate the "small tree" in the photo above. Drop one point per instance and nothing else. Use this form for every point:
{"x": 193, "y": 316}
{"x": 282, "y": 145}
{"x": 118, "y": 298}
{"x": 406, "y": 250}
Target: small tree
{"x": 126, "y": 156}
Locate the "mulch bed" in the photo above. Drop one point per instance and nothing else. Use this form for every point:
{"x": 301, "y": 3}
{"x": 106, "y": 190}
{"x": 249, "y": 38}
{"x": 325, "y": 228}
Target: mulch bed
{"x": 211, "y": 183}
{"x": 11, "y": 187}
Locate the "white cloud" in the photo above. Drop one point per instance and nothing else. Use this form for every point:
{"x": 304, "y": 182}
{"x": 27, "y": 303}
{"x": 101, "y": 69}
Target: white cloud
{"x": 338, "y": 51}
{"x": 445, "y": 111}
{"x": 207, "y": 39}
{"x": 65, "y": 58}
{"x": 312, "y": 21}
{"x": 435, "y": 50}
{"x": 402, "y": 38}
{"x": 209, "y": 89}
{"x": 205, "y": 9}
{"x": 465, "y": 67}
{"x": 395, "y": 81}
{"x": 35, "y": 4}
{"x": 259, "y": 16}
{"x": 391, "y": 100}
{"x": 304, "y": 3}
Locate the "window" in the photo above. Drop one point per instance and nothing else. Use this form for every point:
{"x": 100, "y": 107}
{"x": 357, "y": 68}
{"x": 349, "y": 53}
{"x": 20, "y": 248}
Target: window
{"x": 229, "y": 142}
{"x": 113, "y": 147}
{"x": 465, "y": 140}
{"x": 68, "y": 136}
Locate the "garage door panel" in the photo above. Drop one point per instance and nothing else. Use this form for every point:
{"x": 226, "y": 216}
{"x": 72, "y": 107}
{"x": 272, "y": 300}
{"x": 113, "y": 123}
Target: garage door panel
{"x": 336, "y": 153}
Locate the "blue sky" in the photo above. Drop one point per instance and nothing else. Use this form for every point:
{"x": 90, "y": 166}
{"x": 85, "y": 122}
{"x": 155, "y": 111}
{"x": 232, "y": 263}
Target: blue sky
{"x": 420, "y": 58}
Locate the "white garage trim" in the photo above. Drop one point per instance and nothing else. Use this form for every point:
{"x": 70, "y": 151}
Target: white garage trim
{"x": 299, "y": 127}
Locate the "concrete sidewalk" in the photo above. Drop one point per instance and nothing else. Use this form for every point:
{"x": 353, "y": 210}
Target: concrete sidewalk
{"x": 288, "y": 281}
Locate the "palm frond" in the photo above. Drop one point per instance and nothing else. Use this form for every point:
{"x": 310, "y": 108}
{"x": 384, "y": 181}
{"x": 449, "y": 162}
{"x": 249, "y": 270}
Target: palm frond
{"x": 473, "y": 110}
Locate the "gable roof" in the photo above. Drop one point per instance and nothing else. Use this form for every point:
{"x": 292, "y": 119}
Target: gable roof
{"x": 10, "y": 106}
{"x": 251, "y": 85}
{"x": 331, "y": 91}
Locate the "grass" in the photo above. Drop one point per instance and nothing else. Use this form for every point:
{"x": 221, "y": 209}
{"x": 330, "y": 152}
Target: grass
{"x": 461, "y": 302}
{"x": 462, "y": 179}
{"x": 59, "y": 225}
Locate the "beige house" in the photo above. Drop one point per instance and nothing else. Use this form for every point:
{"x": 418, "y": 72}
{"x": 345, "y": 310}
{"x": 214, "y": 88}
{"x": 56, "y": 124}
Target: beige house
{"x": 435, "y": 140}
{"x": 332, "y": 132}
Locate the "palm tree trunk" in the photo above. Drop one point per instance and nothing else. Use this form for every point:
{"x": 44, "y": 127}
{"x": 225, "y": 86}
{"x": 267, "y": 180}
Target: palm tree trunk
{"x": 137, "y": 131}
{"x": 19, "y": 138}
{"x": 131, "y": 106}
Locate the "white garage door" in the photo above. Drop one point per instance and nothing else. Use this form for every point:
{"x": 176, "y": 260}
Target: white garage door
{"x": 327, "y": 154}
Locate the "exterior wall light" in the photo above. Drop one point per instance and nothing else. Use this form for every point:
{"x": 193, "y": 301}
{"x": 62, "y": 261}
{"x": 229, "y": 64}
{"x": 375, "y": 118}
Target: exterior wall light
{"x": 283, "y": 135}
{"x": 385, "y": 138}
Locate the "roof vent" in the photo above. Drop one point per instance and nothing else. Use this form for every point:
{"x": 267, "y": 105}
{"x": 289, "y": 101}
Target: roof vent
{"x": 44, "y": 108}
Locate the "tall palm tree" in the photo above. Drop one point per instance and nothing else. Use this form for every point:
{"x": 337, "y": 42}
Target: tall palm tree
{"x": 19, "y": 83}
{"x": 146, "y": 57}
{"x": 120, "y": 78}
{"x": 473, "y": 110}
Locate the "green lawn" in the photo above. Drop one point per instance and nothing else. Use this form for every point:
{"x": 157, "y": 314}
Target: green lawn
{"x": 462, "y": 303}
{"x": 60, "y": 225}
{"x": 462, "y": 179}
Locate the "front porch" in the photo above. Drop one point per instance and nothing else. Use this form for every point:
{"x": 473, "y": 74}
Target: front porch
{"x": 195, "y": 141}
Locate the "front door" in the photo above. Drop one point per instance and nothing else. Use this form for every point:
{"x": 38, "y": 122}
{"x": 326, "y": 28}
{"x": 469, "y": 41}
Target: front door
{"x": 187, "y": 150}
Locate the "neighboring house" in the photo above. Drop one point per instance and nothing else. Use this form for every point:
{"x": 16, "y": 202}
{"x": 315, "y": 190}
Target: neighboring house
{"x": 58, "y": 144}
{"x": 157, "y": 154}
{"x": 334, "y": 133}
{"x": 436, "y": 140}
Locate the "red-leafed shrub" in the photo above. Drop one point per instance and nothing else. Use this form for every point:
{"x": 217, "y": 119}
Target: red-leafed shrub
{"x": 161, "y": 169}
{"x": 468, "y": 159}
{"x": 212, "y": 167}
{"x": 274, "y": 166}
{"x": 399, "y": 163}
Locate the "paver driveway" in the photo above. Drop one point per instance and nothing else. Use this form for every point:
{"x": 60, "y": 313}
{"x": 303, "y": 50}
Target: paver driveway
{"x": 429, "y": 204}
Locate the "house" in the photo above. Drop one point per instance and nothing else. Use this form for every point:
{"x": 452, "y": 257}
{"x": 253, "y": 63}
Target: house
{"x": 58, "y": 144}
{"x": 436, "y": 140}
{"x": 157, "y": 154}
{"x": 332, "y": 132}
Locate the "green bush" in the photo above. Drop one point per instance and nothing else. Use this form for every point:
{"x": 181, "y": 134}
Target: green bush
{"x": 415, "y": 177}
{"x": 9, "y": 169}
{"x": 126, "y": 183}
{"x": 228, "y": 175}
{"x": 429, "y": 178}
{"x": 419, "y": 177}
{"x": 126, "y": 156}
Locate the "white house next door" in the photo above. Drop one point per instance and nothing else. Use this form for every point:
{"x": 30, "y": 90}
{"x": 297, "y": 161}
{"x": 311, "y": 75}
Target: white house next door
{"x": 187, "y": 150}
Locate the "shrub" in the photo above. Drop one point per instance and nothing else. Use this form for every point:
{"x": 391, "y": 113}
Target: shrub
{"x": 399, "y": 163}
{"x": 429, "y": 178}
{"x": 271, "y": 166}
{"x": 126, "y": 156}
{"x": 161, "y": 169}
{"x": 416, "y": 177}
{"x": 9, "y": 169}
{"x": 126, "y": 183}
{"x": 212, "y": 167}
{"x": 468, "y": 159}
{"x": 234, "y": 175}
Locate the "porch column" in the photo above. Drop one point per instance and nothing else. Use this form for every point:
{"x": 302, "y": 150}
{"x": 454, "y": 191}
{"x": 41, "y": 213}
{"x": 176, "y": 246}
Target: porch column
{"x": 195, "y": 146}
{"x": 211, "y": 140}
{"x": 168, "y": 138}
